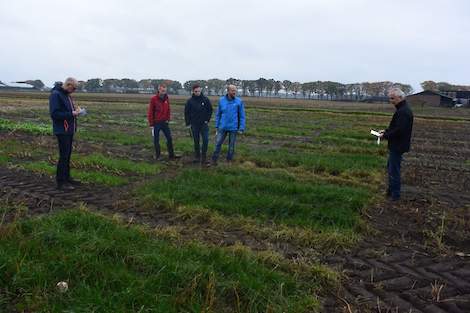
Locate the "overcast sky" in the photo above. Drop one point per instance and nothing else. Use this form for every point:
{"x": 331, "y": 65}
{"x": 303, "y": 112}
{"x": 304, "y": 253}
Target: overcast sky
{"x": 301, "y": 40}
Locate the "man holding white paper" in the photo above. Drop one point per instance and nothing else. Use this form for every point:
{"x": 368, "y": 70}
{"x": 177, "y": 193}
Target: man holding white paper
{"x": 64, "y": 115}
{"x": 398, "y": 135}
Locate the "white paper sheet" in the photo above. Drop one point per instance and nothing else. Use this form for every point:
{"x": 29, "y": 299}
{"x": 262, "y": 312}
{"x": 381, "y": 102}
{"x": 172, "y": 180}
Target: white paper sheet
{"x": 377, "y": 134}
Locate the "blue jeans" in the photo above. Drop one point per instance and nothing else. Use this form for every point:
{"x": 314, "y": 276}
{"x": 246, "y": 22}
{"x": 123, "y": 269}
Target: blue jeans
{"x": 232, "y": 138}
{"x": 394, "y": 167}
{"x": 162, "y": 126}
{"x": 199, "y": 131}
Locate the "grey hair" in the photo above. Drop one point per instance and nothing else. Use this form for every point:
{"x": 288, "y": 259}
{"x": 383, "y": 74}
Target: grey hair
{"x": 395, "y": 91}
{"x": 231, "y": 86}
{"x": 70, "y": 80}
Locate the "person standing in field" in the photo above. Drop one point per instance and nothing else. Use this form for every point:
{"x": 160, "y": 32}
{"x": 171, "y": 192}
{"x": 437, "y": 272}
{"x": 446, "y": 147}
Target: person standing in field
{"x": 197, "y": 114}
{"x": 398, "y": 135}
{"x": 229, "y": 120}
{"x": 158, "y": 116}
{"x": 64, "y": 115}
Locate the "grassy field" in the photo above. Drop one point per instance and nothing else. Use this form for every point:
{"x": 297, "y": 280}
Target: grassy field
{"x": 304, "y": 171}
{"x": 108, "y": 272}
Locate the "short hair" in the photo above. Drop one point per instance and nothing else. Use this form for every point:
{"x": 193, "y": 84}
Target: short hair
{"x": 70, "y": 81}
{"x": 395, "y": 91}
{"x": 196, "y": 86}
{"x": 162, "y": 85}
{"x": 231, "y": 86}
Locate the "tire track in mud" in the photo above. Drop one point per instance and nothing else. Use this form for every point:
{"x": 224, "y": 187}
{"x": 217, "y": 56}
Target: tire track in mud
{"x": 419, "y": 258}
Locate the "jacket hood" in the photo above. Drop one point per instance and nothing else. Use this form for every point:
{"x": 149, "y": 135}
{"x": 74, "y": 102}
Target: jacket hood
{"x": 164, "y": 97}
{"x": 57, "y": 86}
{"x": 198, "y": 97}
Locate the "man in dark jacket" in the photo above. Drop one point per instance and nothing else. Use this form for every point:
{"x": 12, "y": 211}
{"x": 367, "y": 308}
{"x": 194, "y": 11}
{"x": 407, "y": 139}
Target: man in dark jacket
{"x": 158, "y": 116}
{"x": 398, "y": 135}
{"x": 64, "y": 122}
{"x": 197, "y": 114}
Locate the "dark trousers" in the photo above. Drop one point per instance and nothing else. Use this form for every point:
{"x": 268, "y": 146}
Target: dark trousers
{"x": 232, "y": 138}
{"x": 162, "y": 126}
{"x": 199, "y": 131}
{"x": 394, "y": 168}
{"x": 65, "y": 151}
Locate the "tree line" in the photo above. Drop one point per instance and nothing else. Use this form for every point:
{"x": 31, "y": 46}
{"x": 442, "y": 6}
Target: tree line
{"x": 260, "y": 87}
{"x": 442, "y": 86}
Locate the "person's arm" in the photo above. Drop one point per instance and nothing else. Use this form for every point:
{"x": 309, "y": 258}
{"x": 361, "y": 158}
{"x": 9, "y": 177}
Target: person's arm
{"x": 242, "y": 117}
{"x": 218, "y": 115}
{"x": 151, "y": 113}
{"x": 56, "y": 110}
{"x": 169, "y": 111}
{"x": 209, "y": 110}
{"x": 402, "y": 124}
{"x": 187, "y": 113}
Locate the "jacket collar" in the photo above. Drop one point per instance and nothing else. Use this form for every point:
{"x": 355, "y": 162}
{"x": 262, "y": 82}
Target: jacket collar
{"x": 229, "y": 99}
{"x": 401, "y": 105}
{"x": 165, "y": 97}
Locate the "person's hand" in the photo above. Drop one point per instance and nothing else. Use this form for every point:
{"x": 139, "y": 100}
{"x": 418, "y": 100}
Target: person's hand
{"x": 75, "y": 113}
{"x": 188, "y": 126}
{"x": 240, "y": 132}
{"x": 382, "y": 133}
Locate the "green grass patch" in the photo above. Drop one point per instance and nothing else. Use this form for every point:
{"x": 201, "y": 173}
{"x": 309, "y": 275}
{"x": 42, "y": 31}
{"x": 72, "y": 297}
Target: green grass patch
{"x": 112, "y": 268}
{"x": 116, "y": 137}
{"x": 93, "y": 177}
{"x": 28, "y": 127}
{"x": 333, "y": 163}
{"x": 116, "y": 166}
{"x": 264, "y": 195}
{"x": 4, "y": 159}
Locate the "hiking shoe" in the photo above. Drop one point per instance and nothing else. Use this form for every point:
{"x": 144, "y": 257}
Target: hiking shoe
{"x": 74, "y": 182}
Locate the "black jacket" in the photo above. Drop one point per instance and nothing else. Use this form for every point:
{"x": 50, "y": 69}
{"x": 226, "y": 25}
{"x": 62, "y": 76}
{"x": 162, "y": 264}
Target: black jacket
{"x": 399, "y": 131}
{"x": 198, "y": 110}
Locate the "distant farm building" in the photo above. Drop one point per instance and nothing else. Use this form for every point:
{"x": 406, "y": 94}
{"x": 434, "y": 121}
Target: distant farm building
{"x": 16, "y": 87}
{"x": 460, "y": 96}
{"x": 430, "y": 98}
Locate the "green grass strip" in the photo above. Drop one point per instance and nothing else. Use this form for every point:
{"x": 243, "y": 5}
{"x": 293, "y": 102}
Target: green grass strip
{"x": 267, "y": 196}
{"x": 112, "y": 268}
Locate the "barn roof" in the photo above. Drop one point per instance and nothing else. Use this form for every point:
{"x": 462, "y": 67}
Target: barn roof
{"x": 430, "y": 93}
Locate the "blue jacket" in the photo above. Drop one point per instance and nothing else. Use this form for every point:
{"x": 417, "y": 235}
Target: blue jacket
{"x": 60, "y": 109}
{"x": 230, "y": 114}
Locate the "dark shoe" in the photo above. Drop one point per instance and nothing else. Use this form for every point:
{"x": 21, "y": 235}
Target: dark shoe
{"x": 74, "y": 182}
{"x": 64, "y": 186}
{"x": 395, "y": 199}
{"x": 173, "y": 157}
{"x": 196, "y": 161}
{"x": 214, "y": 162}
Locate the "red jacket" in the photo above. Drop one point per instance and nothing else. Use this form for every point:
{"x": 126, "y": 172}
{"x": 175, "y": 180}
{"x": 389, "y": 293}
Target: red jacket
{"x": 159, "y": 110}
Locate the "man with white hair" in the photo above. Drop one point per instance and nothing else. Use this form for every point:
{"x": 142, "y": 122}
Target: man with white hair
{"x": 229, "y": 120}
{"x": 398, "y": 135}
{"x": 64, "y": 123}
